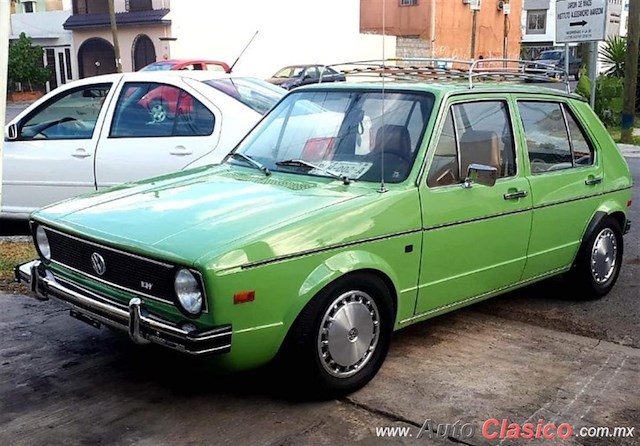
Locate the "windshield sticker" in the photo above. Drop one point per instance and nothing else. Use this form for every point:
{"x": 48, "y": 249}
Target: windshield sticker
{"x": 350, "y": 169}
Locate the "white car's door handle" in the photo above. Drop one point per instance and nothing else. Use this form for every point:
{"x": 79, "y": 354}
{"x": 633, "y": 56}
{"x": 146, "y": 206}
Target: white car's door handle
{"x": 181, "y": 151}
{"x": 80, "y": 153}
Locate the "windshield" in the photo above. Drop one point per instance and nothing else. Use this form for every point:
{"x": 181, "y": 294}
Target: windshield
{"x": 289, "y": 72}
{"x": 550, "y": 55}
{"x": 344, "y": 132}
{"x": 159, "y": 66}
{"x": 258, "y": 95}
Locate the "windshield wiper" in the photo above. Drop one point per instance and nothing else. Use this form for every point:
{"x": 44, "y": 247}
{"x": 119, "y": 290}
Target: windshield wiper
{"x": 254, "y": 163}
{"x": 301, "y": 163}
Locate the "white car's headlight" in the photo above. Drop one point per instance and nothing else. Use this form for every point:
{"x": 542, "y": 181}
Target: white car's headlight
{"x": 188, "y": 291}
{"x": 43, "y": 243}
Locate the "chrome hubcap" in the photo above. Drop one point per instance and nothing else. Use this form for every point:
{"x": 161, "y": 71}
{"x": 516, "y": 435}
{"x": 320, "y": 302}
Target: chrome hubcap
{"x": 158, "y": 113}
{"x": 348, "y": 334}
{"x": 603, "y": 256}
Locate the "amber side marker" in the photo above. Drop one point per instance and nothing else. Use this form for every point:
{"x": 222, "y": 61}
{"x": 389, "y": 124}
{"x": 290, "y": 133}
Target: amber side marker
{"x": 629, "y": 203}
{"x": 244, "y": 296}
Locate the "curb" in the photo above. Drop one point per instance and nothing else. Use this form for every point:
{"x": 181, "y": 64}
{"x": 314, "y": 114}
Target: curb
{"x": 629, "y": 150}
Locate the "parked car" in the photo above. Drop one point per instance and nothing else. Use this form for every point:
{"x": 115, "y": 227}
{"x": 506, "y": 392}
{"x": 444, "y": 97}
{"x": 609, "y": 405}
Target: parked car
{"x": 555, "y": 59}
{"x": 313, "y": 242}
{"x": 106, "y": 130}
{"x": 297, "y": 75}
{"x": 188, "y": 64}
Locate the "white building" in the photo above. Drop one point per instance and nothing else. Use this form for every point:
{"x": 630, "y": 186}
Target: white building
{"x": 42, "y": 20}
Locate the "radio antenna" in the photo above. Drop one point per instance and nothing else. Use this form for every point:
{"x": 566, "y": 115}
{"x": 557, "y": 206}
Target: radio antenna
{"x": 383, "y": 189}
{"x": 242, "y": 52}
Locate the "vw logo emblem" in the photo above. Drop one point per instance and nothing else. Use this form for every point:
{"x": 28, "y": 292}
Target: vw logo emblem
{"x": 97, "y": 261}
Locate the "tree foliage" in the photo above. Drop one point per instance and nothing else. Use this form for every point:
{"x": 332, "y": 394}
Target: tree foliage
{"x": 614, "y": 54}
{"x": 25, "y": 63}
{"x": 609, "y": 96}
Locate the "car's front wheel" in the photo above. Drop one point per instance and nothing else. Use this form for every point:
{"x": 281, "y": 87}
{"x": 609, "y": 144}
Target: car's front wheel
{"x": 597, "y": 266}
{"x": 341, "y": 338}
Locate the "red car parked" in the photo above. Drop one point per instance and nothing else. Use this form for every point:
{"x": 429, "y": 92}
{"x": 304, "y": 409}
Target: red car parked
{"x": 188, "y": 64}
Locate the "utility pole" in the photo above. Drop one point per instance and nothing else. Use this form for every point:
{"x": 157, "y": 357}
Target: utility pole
{"x": 506, "y": 10}
{"x": 114, "y": 33}
{"x": 5, "y": 23}
{"x": 631, "y": 72}
{"x": 475, "y": 6}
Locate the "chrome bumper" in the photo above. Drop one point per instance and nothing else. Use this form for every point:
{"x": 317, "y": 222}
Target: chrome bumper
{"x": 143, "y": 328}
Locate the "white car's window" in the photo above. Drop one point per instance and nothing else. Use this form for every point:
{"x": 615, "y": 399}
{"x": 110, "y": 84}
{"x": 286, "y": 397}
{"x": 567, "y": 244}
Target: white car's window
{"x": 147, "y": 109}
{"x": 70, "y": 115}
{"x": 555, "y": 141}
{"x": 361, "y": 134}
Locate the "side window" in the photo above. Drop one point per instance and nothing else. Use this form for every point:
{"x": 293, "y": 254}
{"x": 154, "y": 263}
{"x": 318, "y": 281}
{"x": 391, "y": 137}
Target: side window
{"x": 474, "y": 132}
{"x": 312, "y": 72}
{"x": 150, "y": 110}
{"x": 549, "y": 144}
{"x": 444, "y": 167}
{"x": 582, "y": 150}
{"x": 215, "y": 67}
{"x": 71, "y": 115}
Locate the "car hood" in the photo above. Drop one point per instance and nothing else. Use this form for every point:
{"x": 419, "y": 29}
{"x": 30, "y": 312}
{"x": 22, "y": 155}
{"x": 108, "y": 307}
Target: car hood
{"x": 195, "y": 214}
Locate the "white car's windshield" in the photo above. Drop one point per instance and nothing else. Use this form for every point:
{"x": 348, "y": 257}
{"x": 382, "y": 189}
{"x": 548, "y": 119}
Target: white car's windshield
{"x": 358, "y": 134}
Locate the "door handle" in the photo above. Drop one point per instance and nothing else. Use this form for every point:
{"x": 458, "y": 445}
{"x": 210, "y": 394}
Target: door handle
{"x": 592, "y": 181}
{"x": 515, "y": 195}
{"x": 181, "y": 151}
{"x": 80, "y": 153}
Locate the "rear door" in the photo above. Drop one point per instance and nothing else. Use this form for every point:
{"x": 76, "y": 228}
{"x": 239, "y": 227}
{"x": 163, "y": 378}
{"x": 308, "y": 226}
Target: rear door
{"x": 566, "y": 176}
{"x": 155, "y": 128}
{"x": 53, "y": 157}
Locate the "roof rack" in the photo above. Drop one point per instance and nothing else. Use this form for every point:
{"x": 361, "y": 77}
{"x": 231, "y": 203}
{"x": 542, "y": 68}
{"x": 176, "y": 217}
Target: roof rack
{"x": 443, "y": 70}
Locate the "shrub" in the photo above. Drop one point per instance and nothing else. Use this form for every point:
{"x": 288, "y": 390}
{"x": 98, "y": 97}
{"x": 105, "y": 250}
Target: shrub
{"x": 25, "y": 63}
{"x": 609, "y": 96}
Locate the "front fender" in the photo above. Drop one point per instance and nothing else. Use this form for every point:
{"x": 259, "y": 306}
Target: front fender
{"x": 332, "y": 269}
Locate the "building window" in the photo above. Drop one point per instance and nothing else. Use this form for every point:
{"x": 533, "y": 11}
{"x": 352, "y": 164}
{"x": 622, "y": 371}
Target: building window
{"x": 408, "y": 2}
{"x": 139, "y": 5}
{"x": 29, "y": 7}
{"x": 537, "y": 21}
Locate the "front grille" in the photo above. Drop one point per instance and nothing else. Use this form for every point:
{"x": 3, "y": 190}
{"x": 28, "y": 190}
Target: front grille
{"x": 128, "y": 271}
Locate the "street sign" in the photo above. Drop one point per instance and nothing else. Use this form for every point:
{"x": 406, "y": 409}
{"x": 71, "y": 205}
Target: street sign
{"x": 474, "y": 5}
{"x": 580, "y": 20}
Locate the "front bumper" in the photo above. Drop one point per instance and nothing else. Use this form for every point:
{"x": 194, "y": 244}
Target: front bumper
{"x": 143, "y": 327}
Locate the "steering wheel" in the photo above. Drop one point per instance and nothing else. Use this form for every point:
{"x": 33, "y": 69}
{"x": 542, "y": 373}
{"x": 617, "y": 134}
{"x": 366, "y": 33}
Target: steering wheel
{"x": 77, "y": 125}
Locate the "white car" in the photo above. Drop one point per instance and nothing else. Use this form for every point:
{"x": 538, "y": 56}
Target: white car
{"x": 105, "y": 130}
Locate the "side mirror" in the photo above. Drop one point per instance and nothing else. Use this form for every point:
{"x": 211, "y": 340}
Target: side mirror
{"x": 480, "y": 174}
{"x": 11, "y": 132}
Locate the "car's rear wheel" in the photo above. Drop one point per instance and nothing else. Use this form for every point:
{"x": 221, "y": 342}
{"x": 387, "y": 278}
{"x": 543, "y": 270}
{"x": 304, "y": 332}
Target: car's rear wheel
{"x": 340, "y": 339}
{"x": 598, "y": 263}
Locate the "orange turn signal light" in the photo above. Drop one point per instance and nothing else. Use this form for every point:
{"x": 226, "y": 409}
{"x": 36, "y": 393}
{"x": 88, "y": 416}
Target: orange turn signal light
{"x": 629, "y": 203}
{"x": 244, "y": 296}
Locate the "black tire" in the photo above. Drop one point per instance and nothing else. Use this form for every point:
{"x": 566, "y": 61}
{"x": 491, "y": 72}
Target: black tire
{"x": 299, "y": 363}
{"x": 586, "y": 280}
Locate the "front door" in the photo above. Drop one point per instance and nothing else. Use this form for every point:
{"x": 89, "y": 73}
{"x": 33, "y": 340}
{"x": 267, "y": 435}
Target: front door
{"x": 52, "y": 158}
{"x": 475, "y": 238}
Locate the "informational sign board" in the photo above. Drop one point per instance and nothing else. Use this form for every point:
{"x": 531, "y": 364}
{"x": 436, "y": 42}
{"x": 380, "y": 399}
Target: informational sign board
{"x": 580, "y": 20}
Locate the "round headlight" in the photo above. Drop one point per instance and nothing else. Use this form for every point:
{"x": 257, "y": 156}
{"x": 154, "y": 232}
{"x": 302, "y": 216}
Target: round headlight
{"x": 188, "y": 291}
{"x": 43, "y": 243}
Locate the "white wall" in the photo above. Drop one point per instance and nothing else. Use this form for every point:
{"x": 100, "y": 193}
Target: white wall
{"x": 290, "y": 32}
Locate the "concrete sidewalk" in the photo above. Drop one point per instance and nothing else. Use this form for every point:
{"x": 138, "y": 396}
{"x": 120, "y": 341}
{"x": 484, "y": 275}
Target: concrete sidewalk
{"x": 629, "y": 150}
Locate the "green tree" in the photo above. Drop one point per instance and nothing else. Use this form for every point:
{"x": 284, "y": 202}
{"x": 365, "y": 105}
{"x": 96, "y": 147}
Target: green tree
{"x": 25, "y": 63}
{"x": 613, "y": 54}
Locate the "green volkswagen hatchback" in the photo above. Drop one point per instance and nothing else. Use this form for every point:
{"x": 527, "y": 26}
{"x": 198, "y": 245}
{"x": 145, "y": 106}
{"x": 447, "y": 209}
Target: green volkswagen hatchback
{"x": 348, "y": 212}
